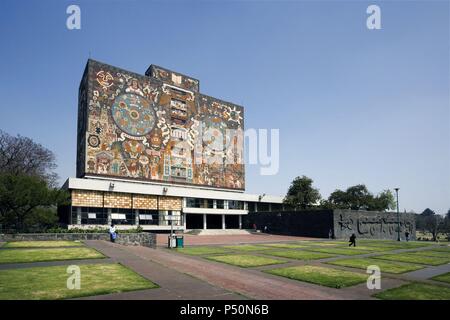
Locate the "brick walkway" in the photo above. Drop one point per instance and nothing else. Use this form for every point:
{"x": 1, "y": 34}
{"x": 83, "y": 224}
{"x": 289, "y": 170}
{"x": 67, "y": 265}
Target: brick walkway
{"x": 192, "y": 240}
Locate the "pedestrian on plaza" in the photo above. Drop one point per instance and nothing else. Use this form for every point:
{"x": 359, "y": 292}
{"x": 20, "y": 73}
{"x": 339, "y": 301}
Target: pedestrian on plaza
{"x": 352, "y": 240}
{"x": 407, "y": 236}
{"x": 112, "y": 233}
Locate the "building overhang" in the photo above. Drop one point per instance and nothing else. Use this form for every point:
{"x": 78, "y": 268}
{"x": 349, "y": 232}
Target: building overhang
{"x": 117, "y": 185}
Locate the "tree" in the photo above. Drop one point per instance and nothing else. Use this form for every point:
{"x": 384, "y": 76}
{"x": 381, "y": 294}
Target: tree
{"x": 301, "y": 193}
{"x": 383, "y": 201}
{"x": 21, "y": 155}
{"x": 358, "y": 197}
{"x": 431, "y": 222}
{"x": 26, "y": 198}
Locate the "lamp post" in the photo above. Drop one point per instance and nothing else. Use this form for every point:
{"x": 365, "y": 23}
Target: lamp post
{"x": 398, "y": 216}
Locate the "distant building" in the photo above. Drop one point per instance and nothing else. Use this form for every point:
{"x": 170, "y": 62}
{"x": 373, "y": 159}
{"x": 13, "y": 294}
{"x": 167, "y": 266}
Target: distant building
{"x": 153, "y": 151}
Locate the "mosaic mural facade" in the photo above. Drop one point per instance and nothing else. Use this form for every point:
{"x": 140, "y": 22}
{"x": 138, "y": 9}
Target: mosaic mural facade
{"x": 157, "y": 127}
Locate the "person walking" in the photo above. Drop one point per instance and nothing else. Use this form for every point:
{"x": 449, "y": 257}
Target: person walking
{"x": 352, "y": 240}
{"x": 407, "y": 236}
{"x": 112, "y": 233}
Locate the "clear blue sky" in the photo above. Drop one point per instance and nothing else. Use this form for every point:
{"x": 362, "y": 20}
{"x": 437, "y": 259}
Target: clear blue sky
{"x": 353, "y": 105}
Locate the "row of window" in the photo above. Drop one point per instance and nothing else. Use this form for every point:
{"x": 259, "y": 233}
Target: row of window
{"x": 99, "y": 216}
{"x": 209, "y": 203}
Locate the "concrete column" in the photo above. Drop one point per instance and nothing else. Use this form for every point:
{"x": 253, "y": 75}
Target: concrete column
{"x": 109, "y": 217}
{"x": 204, "y": 221}
{"x": 225, "y": 204}
{"x": 270, "y": 207}
{"x": 256, "y": 206}
{"x": 136, "y": 217}
{"x": 240, "y": 221}
{"x": 223, "y": 222}
{"x": 78, "y": 215}
{"x": 184, "y": 220}
{"x": 215, "y": 204}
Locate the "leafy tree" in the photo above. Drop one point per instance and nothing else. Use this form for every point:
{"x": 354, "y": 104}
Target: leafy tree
{"x": 21, "y": 155}
{"x": 429, "y": 221}
{"x": 27, "y": 198}
{"x": 428, "y": 212}
{"x": 383, "y": 201}
{"x": 302, "y": 194}
{"x": 358, "y": 197}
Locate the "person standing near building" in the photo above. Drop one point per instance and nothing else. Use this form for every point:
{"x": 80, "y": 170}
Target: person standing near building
{"x": 112, "y": 233}
{"x": 407, "y": 236}
{"x": 352, "y": 240}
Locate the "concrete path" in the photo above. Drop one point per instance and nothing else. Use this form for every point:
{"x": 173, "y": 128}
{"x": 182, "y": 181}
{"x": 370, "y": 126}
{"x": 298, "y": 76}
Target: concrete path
{"x": 173, "y": 284}
{"x": 429, "y": 272}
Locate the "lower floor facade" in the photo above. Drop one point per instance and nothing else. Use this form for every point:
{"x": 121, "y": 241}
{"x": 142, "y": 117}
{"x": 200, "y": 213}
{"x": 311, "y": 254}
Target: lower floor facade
{"x": 101, "y": 202}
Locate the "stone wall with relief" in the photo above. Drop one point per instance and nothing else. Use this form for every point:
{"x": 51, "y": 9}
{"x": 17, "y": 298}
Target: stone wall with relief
{"x": 157, "y": 127}
{"x": 372, "y": 224}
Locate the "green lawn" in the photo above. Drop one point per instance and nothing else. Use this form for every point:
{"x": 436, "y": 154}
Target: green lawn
{"x": 51, "y": 282}
{"x": 285, "y": 245}
{"x": 247, "y": 247}
{"x": 385, "y": 266}
{"x": 340, "y": 251}
{"x": 299, "y": 255}
{"x": 414, "y": 258}
{"x": 328, "y": 243}
{"x": 416, "y": 291}
{"x": 432, "y": 253}
{"x": 245, "y": 260}
{"x": 395, "y": 244}
{"x": 443, "y": 277}
{"x": 37, "y": 255}
{"x": 39, "y": 244}
{"x": 441, "y": 249}
{"x": 195, "y": 251}
{"x": 320, "y": 275}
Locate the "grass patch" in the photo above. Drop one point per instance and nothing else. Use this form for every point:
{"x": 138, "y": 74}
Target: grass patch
{"x": 197, "y": 251}
{"x": 247, "y": 247}
{"x": 385, "y": 266}
{"x": 339, "y": 251}
{"x": 328, "y": 243}
{"x": 442, "y": 277}
{"x": 285, "y": 245}
{"x": 40, "y": 244}
{"x": 414, "y": 258}
{"x": 299, "y": 255}
{"x": 441, "y": 249}
{"x": 245, "y": 260}
{"x": 51, "y": 282}
{"x": 38, "y": 255}
{"x": 432, "y": 253}
{"x": 416, "y": 291}
{"x": 395, "y": 244}
{"x": 319, "y": 275}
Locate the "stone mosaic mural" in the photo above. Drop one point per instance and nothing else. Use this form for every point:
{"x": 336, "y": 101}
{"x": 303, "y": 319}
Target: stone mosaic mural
{"x": 157, "y": 127}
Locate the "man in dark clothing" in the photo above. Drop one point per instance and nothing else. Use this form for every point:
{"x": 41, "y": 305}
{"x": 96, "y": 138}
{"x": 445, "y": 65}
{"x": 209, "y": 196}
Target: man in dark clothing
{"x": 352, "y": 240}
{"x": 407, "y": 235}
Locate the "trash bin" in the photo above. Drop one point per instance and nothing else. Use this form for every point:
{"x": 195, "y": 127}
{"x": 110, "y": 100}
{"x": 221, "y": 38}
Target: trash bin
{"x": 172, "y": 241}
{"x": 180, "y": 241}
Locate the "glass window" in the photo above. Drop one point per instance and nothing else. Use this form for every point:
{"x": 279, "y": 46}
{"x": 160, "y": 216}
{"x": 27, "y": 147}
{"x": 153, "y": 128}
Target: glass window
{"x": 148, "y": 217}
{"x": 90, "y": 215}
{"x": 235, "y": 205}
{"x": 220, "y": 204}
{"x": 122, "y": 216}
